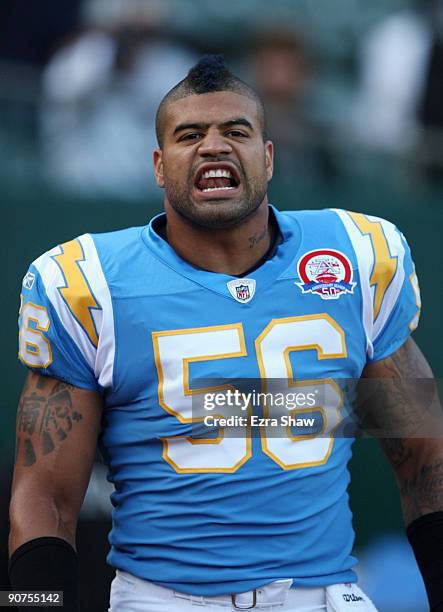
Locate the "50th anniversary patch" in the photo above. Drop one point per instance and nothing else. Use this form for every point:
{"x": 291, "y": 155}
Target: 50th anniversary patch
{"x": 325, "y": 272}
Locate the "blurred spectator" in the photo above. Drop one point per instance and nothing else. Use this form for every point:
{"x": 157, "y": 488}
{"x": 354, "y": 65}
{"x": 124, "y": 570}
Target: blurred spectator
{"x": 430, "y": 111}
{"x": 394, "y": 57}
{"x": 400, "y": 105}
{"x": 100, "y": 96}
{"x": 282, "y": 73}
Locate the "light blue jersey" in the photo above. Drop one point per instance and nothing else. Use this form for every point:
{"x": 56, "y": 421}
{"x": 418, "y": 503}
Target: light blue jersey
{"x": 123, "y": 314}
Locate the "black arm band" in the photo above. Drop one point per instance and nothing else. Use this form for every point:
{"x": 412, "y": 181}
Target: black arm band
{"x": 46, "y": 564}
{"x": 425, "y": 535}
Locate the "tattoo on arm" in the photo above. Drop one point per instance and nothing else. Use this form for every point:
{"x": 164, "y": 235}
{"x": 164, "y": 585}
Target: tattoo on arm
{"x": 407, "y": 362}
{"x": 423, "y": 492}
{"x": 407, "y": 415}
{"x": 397, "y": 450}
{"x": 45, "y": 416}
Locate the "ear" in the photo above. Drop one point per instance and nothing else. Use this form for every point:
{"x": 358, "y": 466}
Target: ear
{"x": 158, "y": 167}
{"x": 269, "y": 159}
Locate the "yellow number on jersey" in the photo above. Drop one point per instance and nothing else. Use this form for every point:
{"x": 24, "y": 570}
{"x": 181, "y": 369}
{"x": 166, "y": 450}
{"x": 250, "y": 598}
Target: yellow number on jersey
{"x": 34, "y": 348}
{"x": 175, "y": 349}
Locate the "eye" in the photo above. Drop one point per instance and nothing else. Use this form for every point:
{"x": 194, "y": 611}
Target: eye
{"x": 191, "y": 136}
{"x": 237, "y": 134}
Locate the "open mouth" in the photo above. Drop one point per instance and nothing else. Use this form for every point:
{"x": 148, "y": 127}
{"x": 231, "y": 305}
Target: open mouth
{"x": 216, "y": 178}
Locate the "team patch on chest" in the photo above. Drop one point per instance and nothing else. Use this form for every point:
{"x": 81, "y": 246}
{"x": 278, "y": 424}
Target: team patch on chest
{"x": 326, "y": 272}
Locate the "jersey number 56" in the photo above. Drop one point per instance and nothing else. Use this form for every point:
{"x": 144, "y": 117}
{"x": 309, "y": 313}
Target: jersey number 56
{"x": 176, "y": 349}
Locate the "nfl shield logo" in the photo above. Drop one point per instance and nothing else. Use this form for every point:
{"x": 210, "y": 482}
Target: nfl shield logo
{"x": 242, "y": 292}
{"x": 242, "y": 289}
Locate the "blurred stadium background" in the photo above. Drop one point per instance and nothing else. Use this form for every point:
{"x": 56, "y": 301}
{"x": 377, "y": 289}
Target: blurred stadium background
{"x": 354, "y": 92}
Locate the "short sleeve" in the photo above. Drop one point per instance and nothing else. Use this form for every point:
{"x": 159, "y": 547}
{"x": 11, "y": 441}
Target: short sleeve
{"x": 61, "y": 322}
{"x": 388, "y": 284}
{"x": 402, "y": 313}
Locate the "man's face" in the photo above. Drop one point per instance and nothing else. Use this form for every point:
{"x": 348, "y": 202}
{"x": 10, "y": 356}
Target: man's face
{"x": 214, "y": 164}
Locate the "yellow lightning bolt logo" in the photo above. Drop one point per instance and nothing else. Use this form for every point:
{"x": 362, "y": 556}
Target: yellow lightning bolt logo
{"x": 77, "y": 293}
{"x": 385, "y": 266}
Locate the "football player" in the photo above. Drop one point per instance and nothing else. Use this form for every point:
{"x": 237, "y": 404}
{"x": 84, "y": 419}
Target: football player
{"x": 121, "y": 330}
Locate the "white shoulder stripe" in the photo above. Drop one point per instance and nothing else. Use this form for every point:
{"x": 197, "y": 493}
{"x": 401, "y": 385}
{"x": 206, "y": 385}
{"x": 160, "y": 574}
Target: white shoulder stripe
{"x": 60, "y": 271}
{"x": 54, "y": 280}
{"x": 396, "y": 248}
{"x": 365, "y": 259}
{"x": 380, "y": 254}
{"x": 104, "y": 318}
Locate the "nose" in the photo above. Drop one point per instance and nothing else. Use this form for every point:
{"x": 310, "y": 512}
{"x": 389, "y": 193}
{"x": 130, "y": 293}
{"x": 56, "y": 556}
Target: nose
{"x": 214, "y": 143}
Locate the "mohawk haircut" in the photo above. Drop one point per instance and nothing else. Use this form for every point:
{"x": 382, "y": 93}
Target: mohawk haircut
{"x": 209, "y": 75}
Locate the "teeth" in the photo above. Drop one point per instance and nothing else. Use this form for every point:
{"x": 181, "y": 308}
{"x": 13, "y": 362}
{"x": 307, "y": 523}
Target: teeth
{"x": 219, "y": 173}
{"x": 216, "y": 189}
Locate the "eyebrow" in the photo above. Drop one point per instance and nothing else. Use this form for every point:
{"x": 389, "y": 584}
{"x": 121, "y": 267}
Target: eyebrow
{"x": 204, "y": 126}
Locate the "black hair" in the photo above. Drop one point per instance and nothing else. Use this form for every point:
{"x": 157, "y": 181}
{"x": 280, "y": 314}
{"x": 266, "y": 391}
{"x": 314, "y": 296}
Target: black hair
{"x": 210, "y": 74}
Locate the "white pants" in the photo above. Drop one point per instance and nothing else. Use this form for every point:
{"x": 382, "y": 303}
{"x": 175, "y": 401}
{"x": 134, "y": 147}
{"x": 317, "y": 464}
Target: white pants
{"x": 131, "y": 594}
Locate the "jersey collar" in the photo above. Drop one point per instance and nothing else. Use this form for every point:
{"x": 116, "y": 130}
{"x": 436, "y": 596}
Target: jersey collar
{"x": 264, "y": 275}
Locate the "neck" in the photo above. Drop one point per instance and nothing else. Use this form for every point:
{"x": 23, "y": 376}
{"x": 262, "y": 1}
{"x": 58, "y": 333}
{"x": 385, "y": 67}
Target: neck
{"x": 226, "y": 251}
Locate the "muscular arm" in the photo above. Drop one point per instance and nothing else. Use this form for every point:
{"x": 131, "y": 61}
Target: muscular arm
{"x": 57, "y": 429}
{"x": 401, "y": 403}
